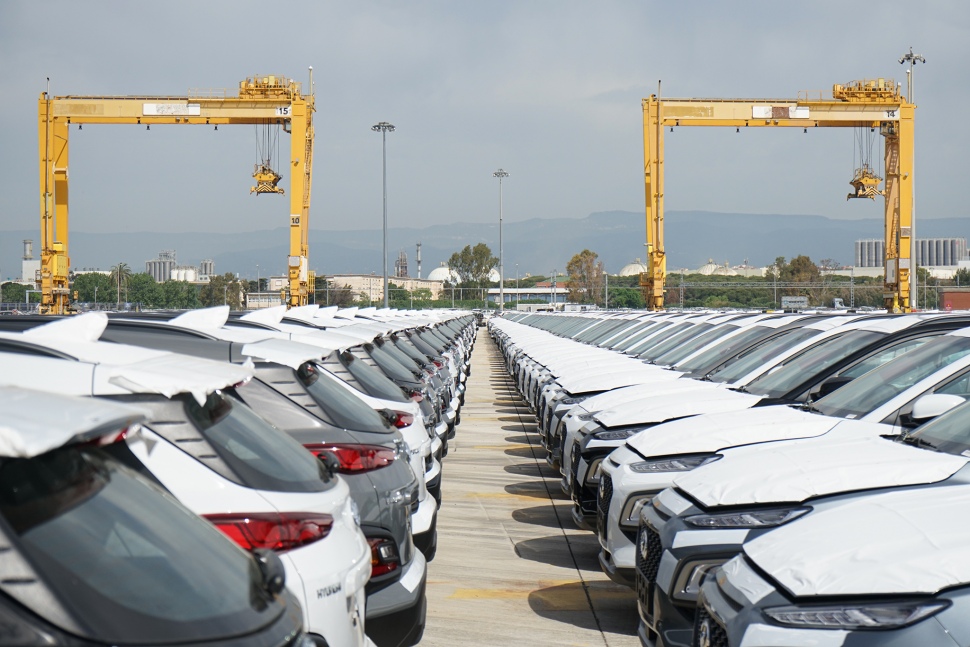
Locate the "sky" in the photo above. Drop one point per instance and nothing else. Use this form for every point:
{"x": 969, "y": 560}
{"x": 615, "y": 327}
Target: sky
{"x": 548, "y": 90}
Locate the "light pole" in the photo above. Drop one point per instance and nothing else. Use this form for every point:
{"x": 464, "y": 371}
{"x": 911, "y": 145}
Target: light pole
{"x": 500, "y": 174}
{"x": 225, "y": 291}
{"x": 517, "y": 286}
{"x": 384, "y": 128}
{"x": 95, "y": 297}
{"x": 912, "y": 59}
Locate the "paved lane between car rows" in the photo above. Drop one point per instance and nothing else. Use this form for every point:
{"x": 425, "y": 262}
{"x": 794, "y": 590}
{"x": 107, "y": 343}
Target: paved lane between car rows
{"x": 511, "y": 567}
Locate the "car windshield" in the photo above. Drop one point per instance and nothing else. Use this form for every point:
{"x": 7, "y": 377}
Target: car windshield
{"x": 678, "y": 353}
{"x": 675, "y": 341}
{"x": 373, "y": 380}
{"x": 700, "y": 364}
{"x": 733, "y": 371}
{"x": 122, "y": 557}
{"x": 810, "y": 362}
{"x": 262, "y": 455}
{"x": 343, "y": 407}
{"x": 653, "y": 328}
{"x": 949, "y": 433}
{"x": 878, "y": 386}
{"x": 649, "y": 340}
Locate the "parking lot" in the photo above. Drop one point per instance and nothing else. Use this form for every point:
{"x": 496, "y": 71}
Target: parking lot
{"x": 511, "y": 567}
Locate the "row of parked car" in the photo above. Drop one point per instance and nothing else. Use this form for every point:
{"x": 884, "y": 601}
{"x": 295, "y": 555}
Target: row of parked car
{"x": 760, "y": 478}
{"x": 312, "y": 438}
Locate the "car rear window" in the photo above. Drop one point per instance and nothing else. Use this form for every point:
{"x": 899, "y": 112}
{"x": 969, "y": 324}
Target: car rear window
{"x": 344, "y": 408}
{"x": 262, "y": 455}
{"x": 123, "y": 557}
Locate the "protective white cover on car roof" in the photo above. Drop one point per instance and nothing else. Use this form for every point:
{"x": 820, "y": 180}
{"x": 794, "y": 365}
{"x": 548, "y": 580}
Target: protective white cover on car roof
{"x": 705, "y": 397}
{"x": 35, "y": 422}
{"x": 84, "y": 327}
{"x": 794, "y": 471}
{"x": 906, "y": 541}
{"x": 283, "y": 351}
{"x": 202, "y": 318}
{"x": 266, "y": 316}
{"x": 132, "y": 368}
{"x": 709, "y": 433}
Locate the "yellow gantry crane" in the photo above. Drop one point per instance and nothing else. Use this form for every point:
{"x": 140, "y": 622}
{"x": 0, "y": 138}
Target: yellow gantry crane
{"x": 261, "y": 100}
{"x": 873, "y": 104}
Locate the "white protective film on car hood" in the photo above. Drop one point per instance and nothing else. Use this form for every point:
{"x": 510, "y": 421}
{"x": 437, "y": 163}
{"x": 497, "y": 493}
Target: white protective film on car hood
{"x": 35, "y": 422}
{"x": 616, "y": 377}
{"x": 616, "y": 397}
{"x": 666, "y": 404}
{"x": 712, "y": 432}
{"x": 911, "y": 541}
{"x": 794, "y": 471}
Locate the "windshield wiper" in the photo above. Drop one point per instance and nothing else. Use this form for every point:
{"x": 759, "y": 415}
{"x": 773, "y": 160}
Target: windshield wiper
{"x": 916, "y": 441}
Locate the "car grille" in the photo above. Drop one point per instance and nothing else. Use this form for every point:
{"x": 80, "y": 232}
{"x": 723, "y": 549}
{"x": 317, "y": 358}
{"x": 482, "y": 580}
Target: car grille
{"x": 707, "y": 632}
{"x": 574, "y": 471}
{"x": 648, "y": 541}
{"x": 604, "y": 495}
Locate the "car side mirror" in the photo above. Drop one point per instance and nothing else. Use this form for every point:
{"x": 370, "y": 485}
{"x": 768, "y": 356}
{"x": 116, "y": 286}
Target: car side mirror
{"x": 272, "y": 569}
{"x": 933, "y": 405}
{"x": 832, "y": 384}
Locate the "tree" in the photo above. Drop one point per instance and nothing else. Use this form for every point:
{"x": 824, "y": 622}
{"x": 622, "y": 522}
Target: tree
{"x": 962, "y": 276}
{"x": 95, "y": 287}
{"x": 178, "y": 295}
{"x": 143, "y": 289}
{"x": 473, "y": 265}
{"x": 225, "y": 289}
{"x": 585, "y": 282}
{"x": 120, "y": 277}
{"x": 334, "y": 295}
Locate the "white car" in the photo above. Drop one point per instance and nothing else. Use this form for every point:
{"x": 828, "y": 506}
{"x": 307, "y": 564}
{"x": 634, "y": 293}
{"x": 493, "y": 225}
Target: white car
{"x": 218, "y": 458}
{"x": 95, "y": 553}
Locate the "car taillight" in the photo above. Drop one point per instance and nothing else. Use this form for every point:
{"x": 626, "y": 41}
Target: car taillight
{"x": 383, "y": 556}
{"x": 278, "y": 532}
{"x": 415, "y": 395}
{"x": 402, "y": 419}
{"x": 438, "y": 363}
{"x": 354, "y": 459}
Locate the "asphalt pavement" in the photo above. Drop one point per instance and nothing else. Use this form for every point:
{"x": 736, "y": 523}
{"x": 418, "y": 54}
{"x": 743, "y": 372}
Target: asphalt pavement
{"x": 511, "y": 567}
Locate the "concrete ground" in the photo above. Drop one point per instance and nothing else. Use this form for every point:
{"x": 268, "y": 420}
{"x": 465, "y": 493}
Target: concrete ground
{"x": 511, "y": 567}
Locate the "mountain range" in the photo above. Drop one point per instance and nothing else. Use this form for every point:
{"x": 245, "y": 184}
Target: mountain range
{"x": 538, "y": 245}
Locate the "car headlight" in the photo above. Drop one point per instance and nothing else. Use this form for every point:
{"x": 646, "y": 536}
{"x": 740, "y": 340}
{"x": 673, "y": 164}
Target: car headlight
{"x": 619, "y": 434}
{"x": 673, "y": 464}
{"x": 576, "y": 399}
{"x": 586, "y": 417}
{"x": 749, "y": 519}
{"x": 874, "y": 615}
{"x": 691, "y": 576}
{"x": 593, "y": 472}
{"x": 630, "y": 516}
